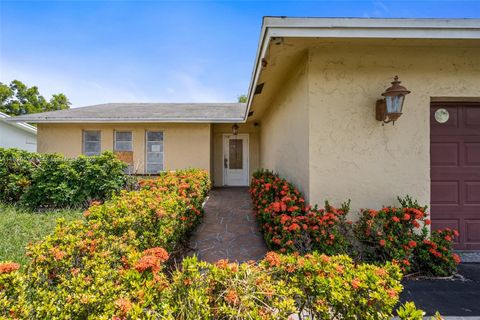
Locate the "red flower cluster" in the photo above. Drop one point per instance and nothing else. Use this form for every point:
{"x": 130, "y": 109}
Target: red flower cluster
{"x": 8, "y": 267}
{"x": 289, "y": 224}
{"x": 152, "y": 259}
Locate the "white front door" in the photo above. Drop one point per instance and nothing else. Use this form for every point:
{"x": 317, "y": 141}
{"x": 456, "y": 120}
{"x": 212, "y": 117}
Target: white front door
{"x": 235, "y": 160}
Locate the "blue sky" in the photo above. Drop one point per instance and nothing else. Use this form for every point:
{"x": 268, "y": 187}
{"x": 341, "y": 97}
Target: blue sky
{"x": 161, "y": 51}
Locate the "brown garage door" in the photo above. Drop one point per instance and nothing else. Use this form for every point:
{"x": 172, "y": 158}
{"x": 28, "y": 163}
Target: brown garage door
{"x": 455, "y": 170}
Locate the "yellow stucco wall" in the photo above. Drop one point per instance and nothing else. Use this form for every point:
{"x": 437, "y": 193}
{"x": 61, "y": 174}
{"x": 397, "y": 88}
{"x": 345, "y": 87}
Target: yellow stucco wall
{"x": 351, "y": 154}
{"x": 254, "y": 148}
{"x": 185, "y": 145}
{"x": 284, "y": 129}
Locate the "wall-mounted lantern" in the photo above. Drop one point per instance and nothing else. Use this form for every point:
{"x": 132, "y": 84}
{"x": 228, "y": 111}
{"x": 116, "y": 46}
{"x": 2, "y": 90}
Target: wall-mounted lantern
{"x": 390, "y": 108}
{"x": 235, "y": 129}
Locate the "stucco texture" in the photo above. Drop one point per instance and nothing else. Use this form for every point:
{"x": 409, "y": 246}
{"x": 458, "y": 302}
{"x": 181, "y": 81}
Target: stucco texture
{"x": 285, "y": 130}
{"x": 185, "y": 145}
{"x": 320, "y": 132}
{"x": 351, "y": 154}
{"x": 219, "y": 130}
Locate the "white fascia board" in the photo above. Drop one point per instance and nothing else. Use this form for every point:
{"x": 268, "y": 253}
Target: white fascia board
{"x": 370, "y": 23}
{"x": 358, "y": 28}
{"x": 21, "y": 125}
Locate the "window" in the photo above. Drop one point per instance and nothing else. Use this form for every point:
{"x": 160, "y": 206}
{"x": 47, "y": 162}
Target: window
{"x": 123, "y": 141}
{"x": 91, "y": 143}
{"x": 154, "y": 152}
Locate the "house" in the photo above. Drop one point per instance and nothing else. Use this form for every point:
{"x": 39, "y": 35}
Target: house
{"x": 18, "y": 135}
{"x": 313, "y": 111}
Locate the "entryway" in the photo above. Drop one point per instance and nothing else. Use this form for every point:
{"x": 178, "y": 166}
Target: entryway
{"x": 455, "y": 170}
{"x": 235, "y": 160}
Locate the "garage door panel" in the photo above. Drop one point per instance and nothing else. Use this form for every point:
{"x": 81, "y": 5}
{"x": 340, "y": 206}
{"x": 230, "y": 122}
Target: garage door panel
{"x": 471, "y": 118}
{"x": 445, "y": 192}
{"x": 455, "y": 173}
{"x": 444, "y": 154}
{"x": 472, "y": 153}
{"x": 472, "y": 232}
{"x": 472, "y": 192}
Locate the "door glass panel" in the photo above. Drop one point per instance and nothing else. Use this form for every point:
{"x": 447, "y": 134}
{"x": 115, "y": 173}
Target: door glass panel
{"x": 235, "y": 153}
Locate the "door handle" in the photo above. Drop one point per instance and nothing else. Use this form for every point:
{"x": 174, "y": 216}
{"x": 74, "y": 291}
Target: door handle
{"x": 225, "y": 163}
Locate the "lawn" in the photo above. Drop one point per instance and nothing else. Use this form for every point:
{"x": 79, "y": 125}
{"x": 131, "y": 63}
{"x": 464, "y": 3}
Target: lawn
{"x": 20, "y": 226}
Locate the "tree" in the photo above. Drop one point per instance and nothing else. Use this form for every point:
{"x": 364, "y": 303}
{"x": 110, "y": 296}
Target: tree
{"x": 243, "y": 98}
{"x": 17, "y": 99}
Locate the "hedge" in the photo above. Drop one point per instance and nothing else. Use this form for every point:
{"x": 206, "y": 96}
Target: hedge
{"x": 112, "y": 265}
{"x": 397, "y": 234}
{"x": 53, "y": 181}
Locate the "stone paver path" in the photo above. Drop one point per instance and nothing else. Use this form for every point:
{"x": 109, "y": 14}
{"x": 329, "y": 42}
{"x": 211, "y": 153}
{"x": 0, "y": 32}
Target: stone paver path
{"x": 229, "y": 229}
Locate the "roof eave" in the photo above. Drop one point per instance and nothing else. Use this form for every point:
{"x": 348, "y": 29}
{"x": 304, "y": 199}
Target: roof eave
{"x": 145, "y": 120}
{"x": 358, "y": 28}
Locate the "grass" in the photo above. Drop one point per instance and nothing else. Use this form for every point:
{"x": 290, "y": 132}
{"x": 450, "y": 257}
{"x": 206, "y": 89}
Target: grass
{"x": 19, "y": 226}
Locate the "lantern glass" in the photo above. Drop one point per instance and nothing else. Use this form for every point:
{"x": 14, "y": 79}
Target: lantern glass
{"x": 394, "y": 103}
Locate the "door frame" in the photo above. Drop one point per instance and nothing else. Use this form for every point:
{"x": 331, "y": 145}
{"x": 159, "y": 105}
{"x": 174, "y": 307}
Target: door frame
{"x": 247, "y": 155}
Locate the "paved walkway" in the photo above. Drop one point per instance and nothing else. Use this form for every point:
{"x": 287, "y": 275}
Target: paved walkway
{"x": 229, "y": 229}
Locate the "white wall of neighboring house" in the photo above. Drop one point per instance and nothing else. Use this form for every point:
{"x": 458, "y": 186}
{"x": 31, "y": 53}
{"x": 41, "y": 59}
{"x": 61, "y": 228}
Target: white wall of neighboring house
{"x": 17, "y": 135}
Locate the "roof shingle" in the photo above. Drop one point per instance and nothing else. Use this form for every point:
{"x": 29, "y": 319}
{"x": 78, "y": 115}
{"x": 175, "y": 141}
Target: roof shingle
{"x": 143, "y": 112}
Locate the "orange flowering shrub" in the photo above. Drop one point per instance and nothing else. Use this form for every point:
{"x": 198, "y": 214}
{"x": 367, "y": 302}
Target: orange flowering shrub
{"x": 111, "y": 263}
{"x": 334, "y": 287}
{"x": 11, "y": 291}
{"x": 435, "y": 256}
{"x": 401, "y": 235}
{"x": 289, "y": 224}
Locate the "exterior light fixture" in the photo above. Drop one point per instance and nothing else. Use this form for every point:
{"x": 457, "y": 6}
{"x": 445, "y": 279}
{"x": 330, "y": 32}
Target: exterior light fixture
{"x": 389, "y": 109}
{"x": 235, "y": 129}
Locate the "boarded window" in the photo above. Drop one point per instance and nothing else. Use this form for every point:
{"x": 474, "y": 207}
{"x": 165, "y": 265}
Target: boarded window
{"x": 123, "y": 141}
{"x": 91, "y": 143}
{"x": 154, "y": 152}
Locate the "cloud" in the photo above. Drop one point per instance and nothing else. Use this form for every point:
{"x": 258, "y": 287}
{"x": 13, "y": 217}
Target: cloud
{"x": 88, "y": 89}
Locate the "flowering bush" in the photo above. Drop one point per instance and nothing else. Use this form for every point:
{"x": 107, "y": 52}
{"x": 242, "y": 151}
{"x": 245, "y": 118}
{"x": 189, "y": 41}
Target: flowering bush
{"x": 112, "y": 262}
{"x": 401, "y": 235}
{"x": 435, "y": 256}
{"x": 316, "y": 285}
{"x": 396, "y": 234}
{"x": 335, "y": 287}
{"x": 290, "y": 225}
{"x": 11, "y": 291}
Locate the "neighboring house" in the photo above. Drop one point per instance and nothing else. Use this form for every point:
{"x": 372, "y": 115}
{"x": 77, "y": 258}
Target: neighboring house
{"x": 18, "y": 135}
{"x": 311, "y": 116}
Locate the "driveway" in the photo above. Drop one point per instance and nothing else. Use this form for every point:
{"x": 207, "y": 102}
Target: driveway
{"x": 452, "y": 298}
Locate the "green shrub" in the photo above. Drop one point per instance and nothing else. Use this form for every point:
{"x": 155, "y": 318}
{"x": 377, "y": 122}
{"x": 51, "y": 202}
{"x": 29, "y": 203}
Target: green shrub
{"x": 392, "y": 234}
{"x": 435, "y": 256}
{"x": 52, "y": 181}
{"x": 111, "y": 263}
{"x": 16, "y": 168}
{"x": 12, "y": 291}
{"x": 401, "y": 235}
{"x": 112, "y": 266}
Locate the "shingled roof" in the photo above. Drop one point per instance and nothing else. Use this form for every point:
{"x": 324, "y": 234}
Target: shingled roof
{"x": 142, "y": 112}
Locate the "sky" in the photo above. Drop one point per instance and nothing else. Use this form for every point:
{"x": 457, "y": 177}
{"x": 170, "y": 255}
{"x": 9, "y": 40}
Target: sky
{"x": 161, "y": 51}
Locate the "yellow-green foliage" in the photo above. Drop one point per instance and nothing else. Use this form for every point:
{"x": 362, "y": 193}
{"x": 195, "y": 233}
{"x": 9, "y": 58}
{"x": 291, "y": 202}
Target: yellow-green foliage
{"x": 111, "y": 266}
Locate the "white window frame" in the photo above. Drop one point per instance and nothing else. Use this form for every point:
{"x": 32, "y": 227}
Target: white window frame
{"x": 146, "y": 151}
{"x": 115, "y": 140}
{"x": 84, "y": 141}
